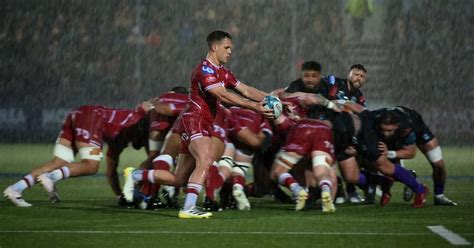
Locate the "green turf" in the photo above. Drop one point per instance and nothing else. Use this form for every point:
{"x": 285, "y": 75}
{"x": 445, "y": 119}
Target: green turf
{"x": 87, "y": 216}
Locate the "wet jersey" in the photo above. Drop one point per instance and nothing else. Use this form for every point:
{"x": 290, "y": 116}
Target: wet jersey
{"x": 207, "y": 76}
{"x": 308, "y": 136}
{"x": 316, "y": 111}
{"x": 177, "y": 102}
{"x": 339, "y": 90}
{"x": 246, "y": 118}
{"x": 93, "y": 124}
{"x": 293, "y": 109}
{"x": 412, "y": 128}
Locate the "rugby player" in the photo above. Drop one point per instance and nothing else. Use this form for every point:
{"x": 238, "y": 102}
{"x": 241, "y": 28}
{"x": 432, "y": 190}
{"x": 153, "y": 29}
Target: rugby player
{"x": 402, "y": 130}
{"x": 355, "y": 134}
{"x": 83, "y": 131}
{"x": 209, "y": 81}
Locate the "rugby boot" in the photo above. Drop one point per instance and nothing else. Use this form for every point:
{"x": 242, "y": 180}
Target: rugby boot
{"x": 355, "y": 198}
{"x": 326, "y": 202}
{"x": 50, "y": 188}
{"x": 442, "y": 200}
{"x": 16, "y": 198}
{"x": 407, "y": 192}
{"x": 420, "y": 198}
{"x": 301, "y": 199}
{"x": 129, "y": 184}
{"x": 210, "y": 205}
{"x": 241, "y": 199}
{"x": 193, "y": 213}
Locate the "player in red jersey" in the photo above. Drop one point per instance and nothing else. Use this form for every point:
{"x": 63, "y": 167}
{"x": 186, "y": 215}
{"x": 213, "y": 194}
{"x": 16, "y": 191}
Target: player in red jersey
{"x": 176, "y": 100}
{"x": 318, "y": 145}
{"x": 84, "y": 130}
{"x": 209, "y": 81}
{"x": 248, "y": 132}
{"x": 169, "y": 105}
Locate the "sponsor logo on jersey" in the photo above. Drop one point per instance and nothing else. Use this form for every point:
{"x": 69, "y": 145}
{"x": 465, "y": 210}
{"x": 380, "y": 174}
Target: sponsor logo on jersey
{"x": 207, "y": 70}
{"x": 210, "y": 79}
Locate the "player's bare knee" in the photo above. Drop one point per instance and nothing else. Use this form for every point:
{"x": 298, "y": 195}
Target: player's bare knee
{"x": 90, "y": 167}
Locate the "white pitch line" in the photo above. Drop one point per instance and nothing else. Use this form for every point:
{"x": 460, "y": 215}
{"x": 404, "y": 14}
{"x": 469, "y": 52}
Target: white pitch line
{"x": 214, "y": 232}
{"x": 450, "y": 236}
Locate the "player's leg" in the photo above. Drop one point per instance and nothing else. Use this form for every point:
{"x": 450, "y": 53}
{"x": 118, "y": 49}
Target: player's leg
{"x": 283, "y": 163}
{"x": 200, "y": 148}
{"x": 89, "y": 165}
{"x": 63, "y": 154}
{"x": 398, "y": 173}
{"x": 433, "y": 153}
{"x": 243, "y": 163}
{"x": 215, "y": 178}
{"x": 351, "y": 173}
{"x": 322, "y": 170}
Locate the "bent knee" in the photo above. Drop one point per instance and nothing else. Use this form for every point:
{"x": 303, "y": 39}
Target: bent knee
{"x": 90, "y": 167}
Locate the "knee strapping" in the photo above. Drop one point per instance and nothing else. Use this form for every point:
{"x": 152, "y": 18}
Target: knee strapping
{"x": 241, "y": 168}
{"x": 435, "y": 154}
{"x": 286, "y": 160}
{"x": 320, "y": 160}
{"x": 92, "y": 153}
{"x": 227, "y": 162}
{"x": 63, "y": 152}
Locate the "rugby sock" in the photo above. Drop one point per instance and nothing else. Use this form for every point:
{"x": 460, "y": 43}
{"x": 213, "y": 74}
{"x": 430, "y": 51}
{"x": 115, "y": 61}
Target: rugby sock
{"x": 404, "y": 176}
{"x": 238, "y": 179}
{"x": 148, "y": 182}
{"x": 438, "y": 189}
{"x": 145, "y": 188}
{"x": 214, "y": 180}
{"x": 287, "y": 180}
{"x": 58, "y": 174}
{"x": 350, "y": 188}
{"x": 137, "y": 175}
{"x": 24, "y": 183}
{"x": 325, "y": 185}
{"x": 362, "y": 182}
{"x": 192, "y": 192}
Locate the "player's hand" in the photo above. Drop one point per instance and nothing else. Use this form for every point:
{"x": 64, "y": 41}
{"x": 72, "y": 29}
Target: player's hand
{"x": 382, "y": 148}
{"x": 338, "y": 105}
{"x": 351, "y": 151}
{"x": 277, "y": 92}
{"x": 150, "y": 104}
{"x": 267, "y": 113}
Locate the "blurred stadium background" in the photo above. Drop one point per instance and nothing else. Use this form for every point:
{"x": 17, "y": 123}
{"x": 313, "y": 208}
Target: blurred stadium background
{"x": 59, "y": 54}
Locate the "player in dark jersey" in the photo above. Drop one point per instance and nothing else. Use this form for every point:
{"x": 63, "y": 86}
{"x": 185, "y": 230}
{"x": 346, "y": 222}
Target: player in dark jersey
{"x": 354, "y": 134}
{"x": 348, "y": 90}
{"x": 84, "y": 130}
{"x": 310, "y": 83}
{"x": 402, "y": 130}
{"x": 209, "y": 81}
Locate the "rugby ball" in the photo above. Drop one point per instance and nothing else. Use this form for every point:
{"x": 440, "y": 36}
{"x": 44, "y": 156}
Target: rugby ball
{"x": 273, "y": 103}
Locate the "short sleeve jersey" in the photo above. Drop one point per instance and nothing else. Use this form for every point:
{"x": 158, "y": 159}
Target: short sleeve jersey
{"x": 207, "y": 76}
{"x": 339, "y": 90}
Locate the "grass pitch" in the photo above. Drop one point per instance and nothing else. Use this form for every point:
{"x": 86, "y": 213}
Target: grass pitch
{"x": 87, "y": 215}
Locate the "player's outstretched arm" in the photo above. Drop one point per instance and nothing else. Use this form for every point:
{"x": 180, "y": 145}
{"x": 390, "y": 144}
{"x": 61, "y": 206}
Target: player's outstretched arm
{"x": 112, "y": 174}
{"x": 251, "y": 92}
{"x": 230, "y": 98}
